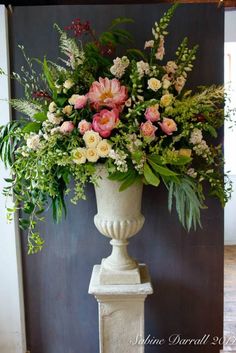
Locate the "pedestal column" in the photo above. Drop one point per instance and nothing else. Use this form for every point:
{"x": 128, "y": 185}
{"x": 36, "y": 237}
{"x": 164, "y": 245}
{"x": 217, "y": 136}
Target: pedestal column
{"x": 121, "y": 312}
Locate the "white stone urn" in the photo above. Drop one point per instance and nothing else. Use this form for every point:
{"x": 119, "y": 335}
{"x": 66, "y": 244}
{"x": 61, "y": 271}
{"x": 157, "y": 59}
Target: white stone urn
{"x": 119, "y": 218}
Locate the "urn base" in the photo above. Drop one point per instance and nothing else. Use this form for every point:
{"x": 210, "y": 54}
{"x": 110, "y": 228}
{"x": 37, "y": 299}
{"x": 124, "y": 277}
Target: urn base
{"x": 108, "y": 276}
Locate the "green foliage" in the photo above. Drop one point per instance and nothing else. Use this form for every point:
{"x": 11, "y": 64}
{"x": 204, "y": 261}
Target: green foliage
{"x": 8, "y": 141}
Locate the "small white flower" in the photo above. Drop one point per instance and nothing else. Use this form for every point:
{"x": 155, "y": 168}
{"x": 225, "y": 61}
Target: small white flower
{"x": 192, "y": 173}
{"x": 154, "y": 84}
{"x": 119, "y": 67}
{"x": 33, "y": 142}
{"x": 91, "y": 139}
{"x": 171, "y": 67}
{"x": 73, "y": 99}
{"x": 179, "y": 83}
{"x": 103, "y": 148}
{"x": 92, "y": 154}
{"x": 68, "y": 83}
{"x": 53, "y": 119}
{"x": 55, "y": 130}
{"x": 196, "y": 136}
{"x": 52, "y": 107}
{"x": 79, "y": 155}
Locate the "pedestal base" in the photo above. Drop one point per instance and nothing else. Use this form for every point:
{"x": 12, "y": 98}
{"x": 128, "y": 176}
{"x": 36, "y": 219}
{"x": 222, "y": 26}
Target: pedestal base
{"x": 121, "y": 312}
{"x": 108, "y": 276}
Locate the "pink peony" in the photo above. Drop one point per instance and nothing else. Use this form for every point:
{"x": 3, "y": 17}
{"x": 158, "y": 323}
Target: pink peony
{"x": 84, "y": 126}
{"x": 168, "y": 126}
{"x": 105, "y": 121}
{"x": 80, "y": 102}
{"x": 148, "y": 129}
{"x": 108, "y": 93}
{"x": 152, "y": 113}
{"x": 67, "y": 127}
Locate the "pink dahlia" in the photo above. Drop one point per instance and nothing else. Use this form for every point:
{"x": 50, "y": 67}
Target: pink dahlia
{"x": 105, "y": 121}
{"x": 107, "y": 93}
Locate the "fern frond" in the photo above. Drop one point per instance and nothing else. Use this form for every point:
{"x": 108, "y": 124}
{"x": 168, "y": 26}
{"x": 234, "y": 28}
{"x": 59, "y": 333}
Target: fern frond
{"x": 69, "y": 47}
{"x": 25, "y": 107}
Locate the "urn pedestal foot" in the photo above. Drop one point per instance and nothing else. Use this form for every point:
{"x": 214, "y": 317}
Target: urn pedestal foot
{"x": 121, "y": 313}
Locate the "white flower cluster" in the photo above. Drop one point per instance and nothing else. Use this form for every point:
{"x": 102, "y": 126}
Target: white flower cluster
{"x": 196, "y": 136}
{"x": 140, "y": 164}
{"x": 200, "y": 146}
{"x": 33, "y": 142}
{"x": 143, "y": 68}
{"x": 119, "y": 158}
{"x": 133, "y": 143}
{"x": 119, "y": 67}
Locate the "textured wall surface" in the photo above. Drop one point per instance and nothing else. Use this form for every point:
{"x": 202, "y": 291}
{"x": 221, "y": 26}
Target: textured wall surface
{"x": 186, "y": 269}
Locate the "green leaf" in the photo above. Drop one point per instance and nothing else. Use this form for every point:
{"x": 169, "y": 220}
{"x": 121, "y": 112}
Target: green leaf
{"x": 40, "y": 116}
{"x": 107, "y": 38}
{"x": 136, "y": 54}
{"x": 119, "y": 176}
{"x": 32, "y": 127}
{"x": 162, "y": 170}
{"x": 60, "y": 100}
{"x": 120, "y": 20}
{"x": 48, "y": 75}
{"x": 131, "y": 178}
{"x": 150, "y": 177}
{"x": 181, "y": 160}
{"x": 155, "y": 158}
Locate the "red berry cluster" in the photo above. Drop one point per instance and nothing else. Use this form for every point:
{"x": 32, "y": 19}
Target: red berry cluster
{"x": 41, "y": 94}
{"x": 78, "y": 27}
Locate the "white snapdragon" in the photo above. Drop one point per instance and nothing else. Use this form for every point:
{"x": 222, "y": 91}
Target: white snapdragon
{"x": 171, "y": 67}
{"x": 52, "y": 107}
{"x": 143, "y": 68}
{"x": 33, "y": 142}
{"x": 149, "y": 44}
{"x": 196, "y": 136}
{"x": 119, "y": 67}
{"x": 179, "y": 83}
{"x": 192, "y": 173}
{"x": 68, "y": 84}
{"x": 119, "y": 158}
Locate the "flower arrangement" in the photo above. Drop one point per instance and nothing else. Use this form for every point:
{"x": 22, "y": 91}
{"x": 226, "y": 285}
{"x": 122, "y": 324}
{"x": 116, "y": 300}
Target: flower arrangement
{"x": 131, "y": 113}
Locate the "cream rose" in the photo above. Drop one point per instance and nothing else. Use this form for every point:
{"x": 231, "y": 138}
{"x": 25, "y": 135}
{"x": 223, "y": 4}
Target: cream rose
{"x": 154, "y": 84}
{"x": 67, "y": 109}
{"x": 79, "y": 155}
{"x": 68, "y": 84}
{"x": 92, "y": 154}
{"x": 91, "y": 139}
{"x": 103, "y": 148}
{"x": 166, "y": 84}
{"x": 166, "y": 100}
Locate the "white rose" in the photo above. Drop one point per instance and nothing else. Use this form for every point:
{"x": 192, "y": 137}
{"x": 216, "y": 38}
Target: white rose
{"x": 52, "y": 118}
{"x": 154, "y": 84}
{"x": 33, "y": 142}
{"x": 103, "y": 148}
{"x": 92, "y": 154}
{"x": 91, "y": 139}
{"x": 68, "y": 84}
{"x": 52, "y": 107}
{"x": 79, "y": 155}
{"x": 73, "y": 99}
{"x": 166, "y": 100}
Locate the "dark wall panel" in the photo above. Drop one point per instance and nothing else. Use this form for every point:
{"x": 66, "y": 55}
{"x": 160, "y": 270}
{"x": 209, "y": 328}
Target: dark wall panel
{"x": 186, "y": 269}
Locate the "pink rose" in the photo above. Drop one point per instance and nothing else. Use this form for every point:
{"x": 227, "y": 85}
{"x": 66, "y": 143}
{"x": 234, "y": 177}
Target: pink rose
{"x": 152, "y": 113}
{"x": 105, "y": 121}
{"x": 80, "y": 102}
{"x": 168, "y": 126}
{"x": 67, "y": 127}
{"x": 84, "y": 126}
{"x": 148, "y": 129}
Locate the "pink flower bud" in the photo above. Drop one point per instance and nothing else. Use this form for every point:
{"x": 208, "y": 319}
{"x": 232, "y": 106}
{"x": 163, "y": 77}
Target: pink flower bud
{"x": 80, "y": 102}
{"x": 84, "y": 126}
{"x": 67, "y": 127}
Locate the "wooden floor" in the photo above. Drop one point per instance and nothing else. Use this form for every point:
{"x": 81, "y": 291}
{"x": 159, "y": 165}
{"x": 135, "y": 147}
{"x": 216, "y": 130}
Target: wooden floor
{"x": 230, "y": 299}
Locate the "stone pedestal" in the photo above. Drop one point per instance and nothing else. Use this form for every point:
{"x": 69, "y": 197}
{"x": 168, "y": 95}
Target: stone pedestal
{"x": 121, "y": 312}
